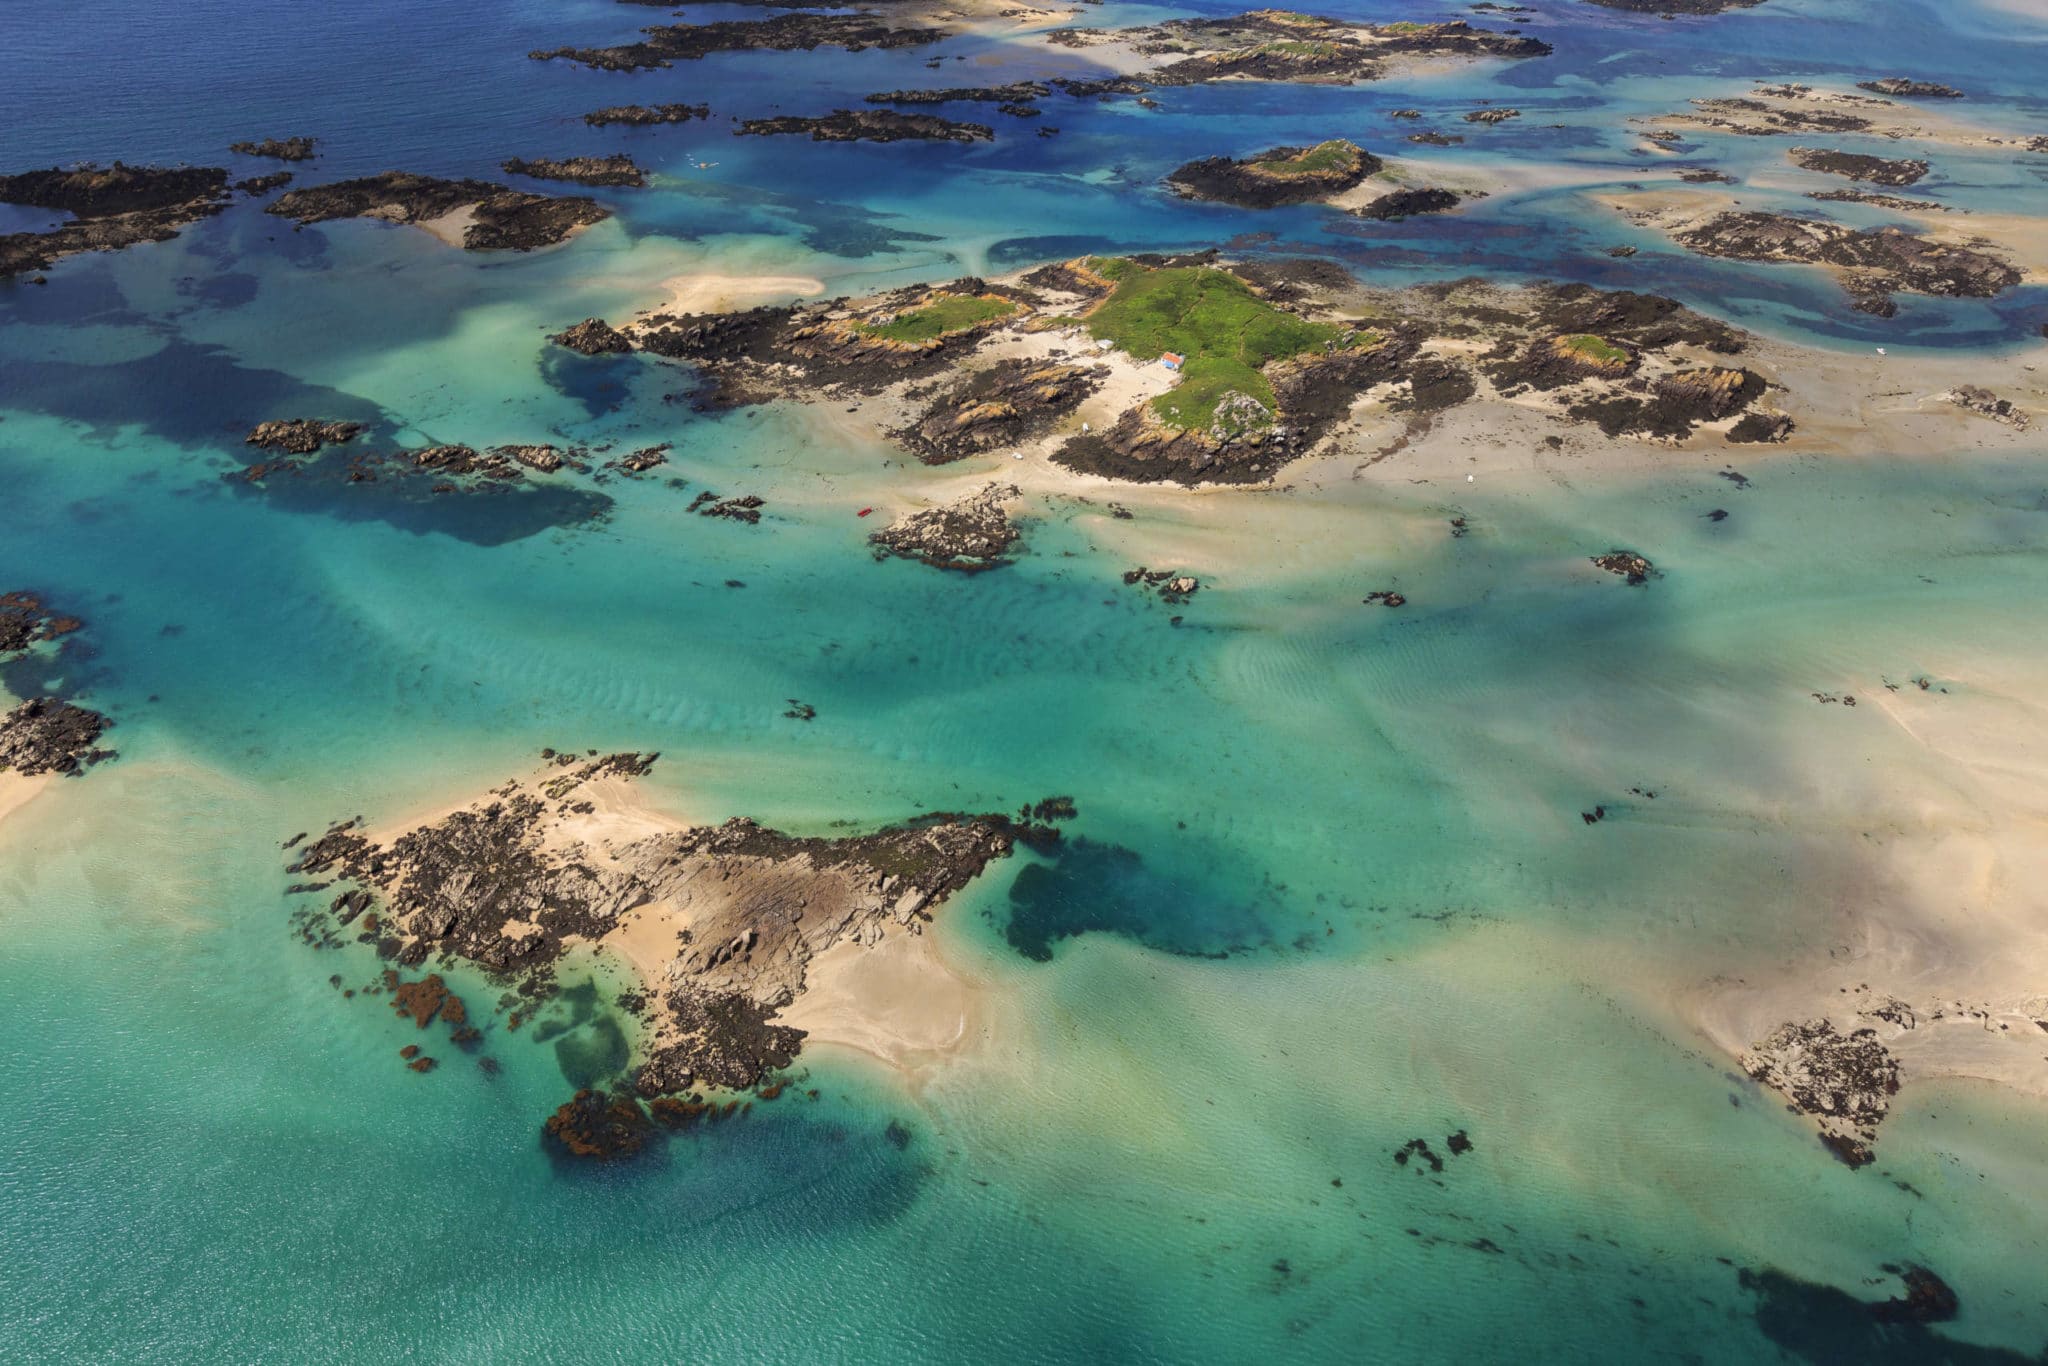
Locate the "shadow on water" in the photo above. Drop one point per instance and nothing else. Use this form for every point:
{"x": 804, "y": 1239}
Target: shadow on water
{"x": 1092, "y": 888}
{"x": 601, "y": 384}
{"x": 200, "y": 396}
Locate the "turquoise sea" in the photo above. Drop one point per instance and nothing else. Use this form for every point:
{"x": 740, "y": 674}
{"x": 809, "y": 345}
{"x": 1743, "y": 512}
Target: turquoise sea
{"x": 1328, "y": 890}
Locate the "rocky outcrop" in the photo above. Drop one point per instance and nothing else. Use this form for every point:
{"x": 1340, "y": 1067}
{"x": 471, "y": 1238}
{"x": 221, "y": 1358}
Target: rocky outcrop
{"x": 646, "y": 115}
{"x": 1669, "y": 7}
{"x": 1282, "y": 175}
{"x": 969, "y": 536}
{"x": 1856, "y": 166}
{"x": 1906, "y": 89}
{"x": 1875, "y": 262}
{"x": 25, "y": 622}
{"x": 594, "y": 337}
{"x": 869, "y": 125}
{"x": 277, "y": 149}
{"x": 501, "y": 219}
{"x": 301, "y": 435}
{"x": 1284, "y": 45}
{"x": 1398, "y": 204}
{"x": 1982, "y": 401}
{"x": 1003, "y": 406}
{"x": 615, "y": 170}
{"x": 1675, "y": 404}
{"x": 47, "y": 735}
{"x": 784, "y": 33}
{"x": 1017, "y": 92}
{"x": 757, "y": 354}
{"x": 257, "y": 185}
{"x": 1492, "y": 115}
{"x": 599, "y": 1126}
{"x": 111, "y": 207}
{"x": 1628, "y": 566}
{"x": 1846, "y": 1082}
{"x": 1896, "y": 203}
{"x": 511, "y": 881}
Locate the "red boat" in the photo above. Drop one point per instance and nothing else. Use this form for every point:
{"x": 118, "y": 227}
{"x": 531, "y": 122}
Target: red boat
{"x": 865, "y": 511}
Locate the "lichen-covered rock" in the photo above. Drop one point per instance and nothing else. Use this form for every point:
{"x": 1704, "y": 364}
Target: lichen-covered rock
{"x": 301, "y": 435}
{"x": 969, "y": 536}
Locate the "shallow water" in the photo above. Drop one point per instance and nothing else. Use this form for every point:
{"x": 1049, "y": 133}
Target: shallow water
{"x": 1328, "y": 891}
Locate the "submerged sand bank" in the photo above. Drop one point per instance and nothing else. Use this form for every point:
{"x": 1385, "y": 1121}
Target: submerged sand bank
{"x": 19, "y": 789}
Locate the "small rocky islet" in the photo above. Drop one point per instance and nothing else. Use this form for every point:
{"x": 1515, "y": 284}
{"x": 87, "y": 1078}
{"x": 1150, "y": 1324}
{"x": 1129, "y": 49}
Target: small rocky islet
{"x": 111, "y": 207}
{"x": 1281, "y": 175}
{"x": 512, "y": 882}
{"x": 499, "y": 218}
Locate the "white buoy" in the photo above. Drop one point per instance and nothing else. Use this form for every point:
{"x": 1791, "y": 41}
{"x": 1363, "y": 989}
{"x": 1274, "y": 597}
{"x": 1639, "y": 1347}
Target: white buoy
{"x": 1468, "y": 478}
{"x": 1880, "y": 350}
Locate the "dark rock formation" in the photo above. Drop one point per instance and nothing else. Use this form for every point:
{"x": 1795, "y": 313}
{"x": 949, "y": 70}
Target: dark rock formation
{"x": 495, "y": 885}
{"x": 257, "y": 185}
{"x": 783, "y": 33}
{"x": 301, "y": 435}
{"x": 1627, "y": 565}
{"x": 1755, "y": 428}
{"x": 869, "y": 125}
{"x": 502, "y": 219}
{"x": 593, "y": 337}
{"x": 594, "y": 1124}
{"x": 1856, "y": 166}
{"x": 285, "y": 149}
{"x": 763, "y": 352}
{"x": 1492, "y": 115}
{"x": 1003, "y": 406}
{"x": 1896, "y": 203}
{"x": 1018, "y": 92}
{"x": 1283, "y": 45}
{"x": 45, "y": 735}
{"x": 971, "y": 535}
{"x": 646, "y": 116}
{"x": 1282, "y": 175}
{"x": 616, "y": 170}
{"x": 1675, "y": 405}
{"x": 1844, "y": 1081}
{"x": 1399, "y": 204}
{"x": 1876, "y": 262}
{"x": 1910, "y": 90}
{"x": 1670, "y": 7}
{"x": 1170, "y": 585}
{"x": 112, "y": 207}
{"x": 1928, "y": 1299}
{"x": 25, "y": 623}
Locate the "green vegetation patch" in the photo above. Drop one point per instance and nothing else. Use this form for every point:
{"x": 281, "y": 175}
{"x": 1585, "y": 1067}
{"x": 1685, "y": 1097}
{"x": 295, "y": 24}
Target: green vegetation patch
{"x": 943, "y": 314}
{"x": 1227, "y": 333}
{"x": 1294, "y": 17}
{"x": 1404, "y": 26}
{"x": 1337, "y": 155}
{"x": 1598, "y": 350}
{"x": 1291, "y": 47}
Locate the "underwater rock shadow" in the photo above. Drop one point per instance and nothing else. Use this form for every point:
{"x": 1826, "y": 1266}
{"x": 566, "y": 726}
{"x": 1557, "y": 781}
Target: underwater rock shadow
{"x": 1089, "y": 887}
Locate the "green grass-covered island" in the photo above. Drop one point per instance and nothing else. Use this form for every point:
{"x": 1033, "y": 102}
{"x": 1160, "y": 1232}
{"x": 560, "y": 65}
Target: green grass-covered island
{"x": 1277, "y": 176}
{"x": 1224, "y": 332}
